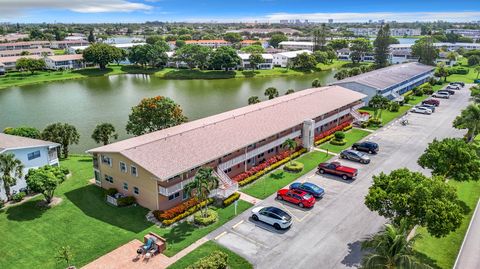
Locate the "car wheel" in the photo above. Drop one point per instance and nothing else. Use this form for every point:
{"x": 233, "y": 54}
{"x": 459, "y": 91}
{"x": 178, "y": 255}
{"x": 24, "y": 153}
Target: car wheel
{"x": 300, "y": 205}
{"x": 255, "y": 217}
{"x": 277, "y": 226}
{"x": 279, "y": 197}
{"x": 354, "y": 148}
{"x": 321, "y": 171}
{"x": 344, "y": 177}
{"x": 370, "y": 151}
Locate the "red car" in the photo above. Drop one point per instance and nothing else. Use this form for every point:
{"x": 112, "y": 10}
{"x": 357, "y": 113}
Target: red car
{"x": 431, "y": 102}
{"x": 335, "y": 168}
{"x": 300, "y": 198}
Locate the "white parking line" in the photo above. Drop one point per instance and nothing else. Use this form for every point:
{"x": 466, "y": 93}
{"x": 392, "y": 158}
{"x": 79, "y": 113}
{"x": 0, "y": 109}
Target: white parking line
{"x": 235, "y": 226}
{"x": 220, "y": 235}
{"x": 249, "y": 239}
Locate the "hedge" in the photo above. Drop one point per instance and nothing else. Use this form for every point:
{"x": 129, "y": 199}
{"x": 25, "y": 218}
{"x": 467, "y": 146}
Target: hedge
{"x": 294, "y": 167}
{"x": 216, "y": 260}
{"x": 230, "y": 199}
{"x": 323, "y": 140}
{"x": 212, "y": 217}
{"x": 338, "y": 142}
{"x": 181, "y": 211}
{"x": 270, "y": 168}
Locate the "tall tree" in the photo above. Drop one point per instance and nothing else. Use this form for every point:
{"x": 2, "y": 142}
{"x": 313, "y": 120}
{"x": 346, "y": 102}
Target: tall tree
{"x": 304, "y": 61}
{"x": 62, "y": 133}
{"x": 391, "y": 248}
{"x": 469, "y": 119}
{"x": 45, "y": 180}
{"x": 253, "y": 100}
{"x": 201, "y": 186}
{"x": 193, "y": 55}
{"x": 359, "y": 48}
{"x": 154, "y": 39}
{"x": 452, "y": 158}
{"x": 224, "y": 58}
{"x": 425, "y": 51}
{"x": 276, "y": 39}
{"x": 428, "y": 202}
{"x": 30, "y": 64}
{"x": 381, "y": 44}
{"x": 101, "y": 54}
{"x": 320, "y": 37}
{"x": 103, "y": 133}
{"x": 24, "y": 131}
{"x": 290, "y": 145}
{"x": 232, "y": 37}
{"x": 338, "y": 44}
{"x": 91, "y": 37}
{"x": 255, "y": 59}
{"x": 442, "y": 71}
{"x": 253, "y": 49}
{"x": 153, "y": 114}
{"x": 378, "y": 103}
{"x": 11, "y": 169}
{"x": 271, "y": 92}
{"x": 321, "y": 56}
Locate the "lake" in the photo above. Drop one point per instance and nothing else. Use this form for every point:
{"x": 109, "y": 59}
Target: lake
{"x": 88, "y": 102}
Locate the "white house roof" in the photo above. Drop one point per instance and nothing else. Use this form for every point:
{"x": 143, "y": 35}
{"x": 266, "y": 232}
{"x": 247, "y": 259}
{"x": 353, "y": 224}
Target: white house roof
{"x": 296, "y": 43}
{"x": 245, "y": 56}
{"x": 16, "y": 142}
{"x": 293, "y": 54}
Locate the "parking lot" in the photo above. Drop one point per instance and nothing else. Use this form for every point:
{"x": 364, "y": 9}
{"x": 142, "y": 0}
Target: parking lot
{"x": 329, "y": 234}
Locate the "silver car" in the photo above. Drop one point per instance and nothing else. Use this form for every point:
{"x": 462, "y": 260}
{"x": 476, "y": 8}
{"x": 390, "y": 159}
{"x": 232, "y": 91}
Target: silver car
{"x": 443, "y": 95}
{"x": 421, "y": 110}
{"x": 431, "y": 107}
{"x": 354, "y": 155}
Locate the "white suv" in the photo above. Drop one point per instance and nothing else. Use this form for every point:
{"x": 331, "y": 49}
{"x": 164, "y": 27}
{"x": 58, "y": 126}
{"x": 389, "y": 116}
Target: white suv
{"x": 443, "y": 95}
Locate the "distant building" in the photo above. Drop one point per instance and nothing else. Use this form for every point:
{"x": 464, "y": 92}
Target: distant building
{"x": 67, "y": 61}
{"x": 245, "y": 61}
{"x": 33, "y": 153}
{"x": 283, "y": 59}
{"x": 296, "y": 45}
{"x": 471, "y": 33}
{"x": 330, "y": 21}
{"x": 393, "y": 31}
{"x": 42, "y": 44}
{"x": 265, "y": 31}
{"x": 12, "y": 53}
{"x": 10, "y": 63}
{"x": 2, "y": 69}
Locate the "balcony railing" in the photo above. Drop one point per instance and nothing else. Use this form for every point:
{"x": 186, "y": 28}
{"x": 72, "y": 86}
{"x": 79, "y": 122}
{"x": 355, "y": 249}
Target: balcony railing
{"x": 166, "y": 191}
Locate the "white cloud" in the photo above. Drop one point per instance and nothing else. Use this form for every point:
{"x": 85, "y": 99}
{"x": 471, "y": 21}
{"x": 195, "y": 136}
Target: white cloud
{"x": 11, "y": 8}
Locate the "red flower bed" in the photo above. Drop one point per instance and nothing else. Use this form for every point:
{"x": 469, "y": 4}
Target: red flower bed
{"x": 261, "y": 166}
{"x": 333, "y": 130}
{"x": 175, "y": 211}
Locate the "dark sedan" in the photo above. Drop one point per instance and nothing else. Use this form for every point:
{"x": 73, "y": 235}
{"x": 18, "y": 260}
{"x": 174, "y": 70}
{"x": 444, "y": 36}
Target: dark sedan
{"x": 354, "y": 155}
{"x": 370, "y": 147}
{"x": 311, "y": 188}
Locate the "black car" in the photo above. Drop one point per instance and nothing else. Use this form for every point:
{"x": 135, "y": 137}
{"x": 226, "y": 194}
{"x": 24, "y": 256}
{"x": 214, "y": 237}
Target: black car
{"x": 354, "y": 155}
{"x": 370, "y": 147}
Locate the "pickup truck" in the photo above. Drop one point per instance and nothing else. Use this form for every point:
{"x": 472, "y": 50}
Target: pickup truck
{"x": 335, "y": 168}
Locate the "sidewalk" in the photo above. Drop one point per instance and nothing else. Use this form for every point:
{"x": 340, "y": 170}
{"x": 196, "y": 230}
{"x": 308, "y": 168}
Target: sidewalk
{"x": 247, "y": 198}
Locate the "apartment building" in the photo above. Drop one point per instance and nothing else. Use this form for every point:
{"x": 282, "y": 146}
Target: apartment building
{"x": 283, "y": 59}
{"x": 296, "y": 45}
{"x": 67, "y": 61}
{"x": 155, "y": 167}
{"x": 245, "y": 61}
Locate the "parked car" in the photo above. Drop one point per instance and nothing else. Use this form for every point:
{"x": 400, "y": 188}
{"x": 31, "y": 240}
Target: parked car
{"x": 298, "y": 197}
{"x": 354, "y": 155}
{"x": 421, "y": 110}
{"x": 443, "y": 95}
{"x": 370, "y": 147}
{"x": 453, "y": 87}
{"x": 274, "y": 216}
{"x": 335, "y": 168}
{"x": 431, "y": 107}
{"x": 458, "y": 83}
{"x": 431, "y": 102}
{"x": 449, "y": 91}
{"x": 311, "y": 188}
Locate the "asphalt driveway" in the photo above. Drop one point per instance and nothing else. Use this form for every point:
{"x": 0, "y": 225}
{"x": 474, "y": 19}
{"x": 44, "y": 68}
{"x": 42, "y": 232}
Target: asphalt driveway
{"x": 329, "y": 235}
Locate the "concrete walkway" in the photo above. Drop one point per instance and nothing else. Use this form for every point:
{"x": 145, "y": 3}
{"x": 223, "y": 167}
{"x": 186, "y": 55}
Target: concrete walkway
{"x": 326, "y": 151}
{"x": 468, "y": 255}
{"x": 247, "y": 198}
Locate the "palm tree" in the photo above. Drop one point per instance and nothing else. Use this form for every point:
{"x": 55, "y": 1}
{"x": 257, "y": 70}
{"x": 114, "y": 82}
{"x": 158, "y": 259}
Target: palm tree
{"x": 378, "y": 103}
{"x": 11, "y": 169}
{"x": 391, "y": 249}
{"x": 271, "y": 93}
{"x": 291, "y": 145}
{"x": 475, "y": 93}
{"x": 253, "y": 100}
{"x": 103, "y": 132}
{"x": 289, "y": 91}
{"x": 316, "y": 83}
{"x": 201, "y": 186}
{"x": 469, "y": 119}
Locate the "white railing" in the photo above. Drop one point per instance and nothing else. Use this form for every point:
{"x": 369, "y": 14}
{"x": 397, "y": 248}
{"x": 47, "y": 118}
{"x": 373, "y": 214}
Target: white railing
{"x": 175, "y": 188}
{"x": 226, "y": 187}
{"x": 257, "y": 151}
{"x": 331, "y": 118}
{"x": 359, "y": 117}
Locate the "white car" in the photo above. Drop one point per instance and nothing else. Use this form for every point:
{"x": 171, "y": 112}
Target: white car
{"x": 454, "y": 87}
{"x": 274, "y": 216}
{"x": 421, "y": 110}
{"x": 443, "y": 95}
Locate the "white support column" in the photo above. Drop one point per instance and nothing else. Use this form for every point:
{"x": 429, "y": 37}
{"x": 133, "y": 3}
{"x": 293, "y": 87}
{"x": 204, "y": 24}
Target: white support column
{"x": 308, "y": 133}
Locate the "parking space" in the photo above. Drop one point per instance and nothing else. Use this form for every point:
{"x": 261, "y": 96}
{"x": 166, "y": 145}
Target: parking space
{"x": 334, "y": 226}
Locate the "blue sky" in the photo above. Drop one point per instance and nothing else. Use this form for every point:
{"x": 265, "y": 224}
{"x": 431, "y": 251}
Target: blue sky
{"x": 231, "y": 10}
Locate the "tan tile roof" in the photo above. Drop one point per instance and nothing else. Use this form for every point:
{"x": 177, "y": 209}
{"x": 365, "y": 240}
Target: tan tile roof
{"x": 13, "y": 141}
{"x": 13, "y": 59}
{"x": 66, "y": 57}
{"x": 171, "y": 151}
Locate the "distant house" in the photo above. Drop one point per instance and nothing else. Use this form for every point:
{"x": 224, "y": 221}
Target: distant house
{"x": 245, "y": 61}
{"x": 39, "y": 51}
{"x": 33, "y": 153}
{"x": 296, "y": 45}
{"x": 2, "y": 69}
{"x": 67, "y": 61}
{"x": 283, "y": 59}
{"x": 10, "y": 63}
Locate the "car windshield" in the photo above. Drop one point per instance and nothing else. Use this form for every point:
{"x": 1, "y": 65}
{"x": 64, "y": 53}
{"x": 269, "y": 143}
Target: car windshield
{"x": 313, "y": 187}
{"x": 307, "y": 196}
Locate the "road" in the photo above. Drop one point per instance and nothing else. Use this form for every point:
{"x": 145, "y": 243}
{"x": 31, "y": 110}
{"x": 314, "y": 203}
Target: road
{"x": 329, "y": 235}
{"x": 469, "y": 256}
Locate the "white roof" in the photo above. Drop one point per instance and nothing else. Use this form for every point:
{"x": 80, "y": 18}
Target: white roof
{"x": 293, "y": 54}
{"x": 245, "y": 56}
{"x": 15, "y": 142}
{"x": 296, "y": 43}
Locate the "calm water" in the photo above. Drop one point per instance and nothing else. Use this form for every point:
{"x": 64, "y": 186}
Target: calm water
{"x": 88, "y": 102}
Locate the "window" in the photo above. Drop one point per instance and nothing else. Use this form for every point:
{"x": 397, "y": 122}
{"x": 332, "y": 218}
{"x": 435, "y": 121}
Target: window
{"x": 135, "y": 190}
{"x": 185, "y": 195}
{"x": 33, "y": 155}
{"x": 123, "y": 167}
{"x": 125, "y": 186}
{"x": 106, "y": 160}
{"x": 228, "y": 170}
{"x": 109, "y": 179}
{"x": 174, "y": 196}
{"x": 133, "y": 170}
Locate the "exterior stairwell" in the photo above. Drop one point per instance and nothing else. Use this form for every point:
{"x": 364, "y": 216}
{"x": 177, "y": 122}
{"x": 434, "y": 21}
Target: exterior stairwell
{"x": 226, "y": 186}
{"x": 358, "y": 116}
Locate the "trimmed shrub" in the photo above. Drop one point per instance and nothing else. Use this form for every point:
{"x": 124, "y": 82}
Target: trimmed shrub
{"x": 230, "y": 199}
{"x": 17, "y": 197}
{"x": 374, "y": 121}
{"x": 111, "y": 192}
{"x": 339, "y": 136}
{"x": 216, "y": 260}
{"x": 212, "y": 217}
{"x": 338, "y": 142}
{"x": 126, "y": 201}
{"x": 348, "y": 128}
{"x": 394, "y": 107}
{"x": 64, "y": 170}
{"x": 294, "y": 167}
{"x": 418, "y": 92}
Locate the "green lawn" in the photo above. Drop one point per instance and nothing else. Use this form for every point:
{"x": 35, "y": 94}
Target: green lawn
{"x": 336, "y": 64}
{"x": 170, "y": 73}
{"x": 86, "y": 223}
{"x": 468, "y": 78}
{"x": 442, "y": 252}
{"x": 234, "y": 260}
{"x": 387, "y": 116}
{"x": 351, "y": 136}
{"x": 272, "y": 182}
{"x": 59, "y": 52}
